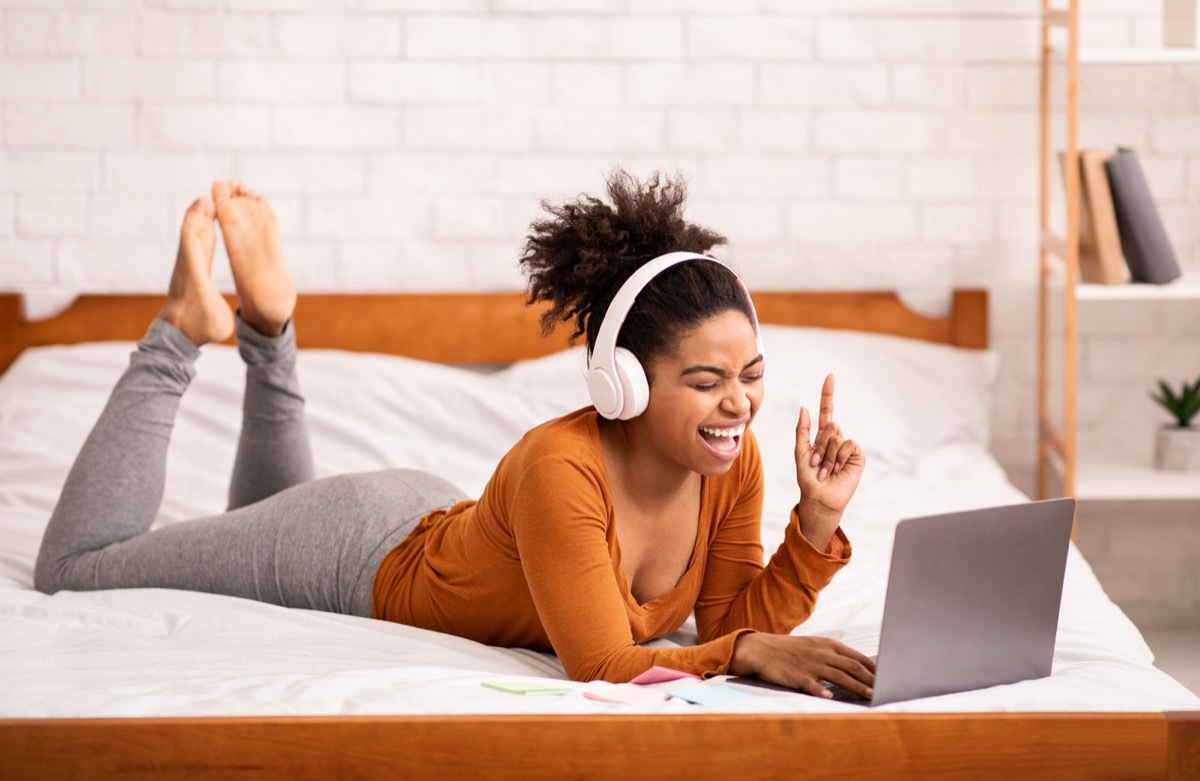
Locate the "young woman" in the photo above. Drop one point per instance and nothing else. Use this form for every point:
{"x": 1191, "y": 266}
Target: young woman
{"x": 594, "y": 535}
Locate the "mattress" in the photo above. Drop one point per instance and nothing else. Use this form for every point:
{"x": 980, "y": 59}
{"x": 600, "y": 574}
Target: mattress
{"x": 922, "y": 413}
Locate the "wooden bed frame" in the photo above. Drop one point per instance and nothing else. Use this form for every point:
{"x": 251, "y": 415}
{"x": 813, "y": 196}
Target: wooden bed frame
{"x": 494, "y": 328}
{"x": 474, "y": 327}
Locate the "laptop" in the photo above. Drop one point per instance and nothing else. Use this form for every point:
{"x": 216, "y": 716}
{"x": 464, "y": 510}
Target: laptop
{"x": 972, "y": 600}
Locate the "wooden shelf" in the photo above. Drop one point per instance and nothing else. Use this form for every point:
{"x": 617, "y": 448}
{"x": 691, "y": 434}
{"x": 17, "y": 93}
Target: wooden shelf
{"x": 1139, "y": 56}
{"x": 1109, "y": 479}
{"x": 1185, "y": 288}
{"x": 1147, "y": 55}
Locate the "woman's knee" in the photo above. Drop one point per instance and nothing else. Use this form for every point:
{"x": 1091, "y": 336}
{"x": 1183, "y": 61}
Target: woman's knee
{"x": 48, "y": 575}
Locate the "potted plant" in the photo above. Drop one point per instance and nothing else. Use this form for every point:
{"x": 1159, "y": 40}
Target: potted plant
{"x": 1178, "y": 446}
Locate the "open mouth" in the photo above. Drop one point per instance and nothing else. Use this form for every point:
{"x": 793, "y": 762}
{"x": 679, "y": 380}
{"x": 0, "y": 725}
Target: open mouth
{"x": 725, "y": 442}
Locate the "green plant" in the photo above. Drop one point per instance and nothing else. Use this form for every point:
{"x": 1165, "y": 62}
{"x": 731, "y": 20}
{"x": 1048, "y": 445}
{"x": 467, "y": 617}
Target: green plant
{"x": 1183, "y": 407}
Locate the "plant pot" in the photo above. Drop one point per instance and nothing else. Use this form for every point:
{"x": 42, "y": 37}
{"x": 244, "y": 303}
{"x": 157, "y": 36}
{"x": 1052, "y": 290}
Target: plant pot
{"x": 1177, "y": 449}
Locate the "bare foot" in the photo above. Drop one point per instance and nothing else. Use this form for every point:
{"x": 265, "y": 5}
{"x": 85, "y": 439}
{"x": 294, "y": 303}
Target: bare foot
{"x": 193, "y": 304}
{"x": 264, "y": 286}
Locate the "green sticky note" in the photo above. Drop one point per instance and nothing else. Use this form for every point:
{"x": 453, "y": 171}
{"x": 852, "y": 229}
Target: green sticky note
{"x": 526, "y": 688}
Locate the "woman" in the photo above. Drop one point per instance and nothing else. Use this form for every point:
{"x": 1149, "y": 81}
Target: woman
{"x": 594, "y": 535}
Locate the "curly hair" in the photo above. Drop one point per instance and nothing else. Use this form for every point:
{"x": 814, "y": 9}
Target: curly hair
{"x": 579, "y": 256}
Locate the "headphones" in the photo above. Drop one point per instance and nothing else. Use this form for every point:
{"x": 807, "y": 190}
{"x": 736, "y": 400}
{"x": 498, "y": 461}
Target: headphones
{"x": 616, "y": 381}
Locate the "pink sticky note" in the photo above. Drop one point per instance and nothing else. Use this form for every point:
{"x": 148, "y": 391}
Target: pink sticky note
{"x": 625, "y": 693}
{"x": 658, "y": 674}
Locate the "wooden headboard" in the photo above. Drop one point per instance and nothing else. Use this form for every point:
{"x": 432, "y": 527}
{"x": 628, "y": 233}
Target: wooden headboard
{"x": 476, "y": 327}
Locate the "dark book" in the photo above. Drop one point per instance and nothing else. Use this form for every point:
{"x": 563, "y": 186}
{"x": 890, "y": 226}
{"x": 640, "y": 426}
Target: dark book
{"x": 1144, "y": 240}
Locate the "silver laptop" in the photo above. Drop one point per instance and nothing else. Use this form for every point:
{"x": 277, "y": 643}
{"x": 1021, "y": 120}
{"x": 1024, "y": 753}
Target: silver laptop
{"x": 972, "y": 601}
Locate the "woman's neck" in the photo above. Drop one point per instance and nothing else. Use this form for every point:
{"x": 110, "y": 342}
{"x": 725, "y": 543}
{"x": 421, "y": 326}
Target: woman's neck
{"x": 643, "y": 471}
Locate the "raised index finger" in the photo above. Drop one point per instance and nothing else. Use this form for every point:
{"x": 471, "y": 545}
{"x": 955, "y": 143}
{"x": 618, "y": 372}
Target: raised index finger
{"x": 826, "y": 416}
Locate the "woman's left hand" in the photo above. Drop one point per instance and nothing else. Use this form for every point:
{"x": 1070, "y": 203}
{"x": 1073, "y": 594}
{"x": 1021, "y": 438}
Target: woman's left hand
{"x": 827, "y": 469}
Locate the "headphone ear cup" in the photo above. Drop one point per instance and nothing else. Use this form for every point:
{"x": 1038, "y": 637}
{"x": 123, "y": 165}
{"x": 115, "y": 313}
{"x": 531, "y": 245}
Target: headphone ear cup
{"x": 604, "y": 393}
{"x": 634, "y": 385}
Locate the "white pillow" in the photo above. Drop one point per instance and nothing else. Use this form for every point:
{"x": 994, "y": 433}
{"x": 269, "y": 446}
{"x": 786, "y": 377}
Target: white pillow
{"x": 898, "y": 398}
{"x": 374, "y": 411}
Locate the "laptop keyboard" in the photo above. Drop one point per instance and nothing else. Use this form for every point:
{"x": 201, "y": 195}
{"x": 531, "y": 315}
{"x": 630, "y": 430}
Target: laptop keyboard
{"x": 845, "y": 695}
{"x": 839, "y": 694}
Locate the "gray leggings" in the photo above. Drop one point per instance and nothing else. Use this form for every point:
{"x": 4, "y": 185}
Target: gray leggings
{"x": 287, "y": 539}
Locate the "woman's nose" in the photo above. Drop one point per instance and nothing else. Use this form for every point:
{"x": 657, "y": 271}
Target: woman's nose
{"x": 737, "y": 401}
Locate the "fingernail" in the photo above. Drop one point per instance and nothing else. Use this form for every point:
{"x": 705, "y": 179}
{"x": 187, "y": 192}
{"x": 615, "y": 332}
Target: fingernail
{"x": 870, "y": 692}
{"x": 816, "y": 459}
{"x": 822, "y": 474}
{"x": 827, "y": 694}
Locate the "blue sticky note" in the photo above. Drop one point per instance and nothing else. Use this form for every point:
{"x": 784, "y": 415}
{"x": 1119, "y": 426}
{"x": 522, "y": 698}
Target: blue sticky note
{"x": 711, "y": 694}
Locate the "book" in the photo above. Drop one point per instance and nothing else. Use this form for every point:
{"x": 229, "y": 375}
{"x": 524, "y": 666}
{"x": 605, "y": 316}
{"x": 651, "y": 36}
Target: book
{"x": 1100, "y": 259}
{"x": 1144, "y": 240}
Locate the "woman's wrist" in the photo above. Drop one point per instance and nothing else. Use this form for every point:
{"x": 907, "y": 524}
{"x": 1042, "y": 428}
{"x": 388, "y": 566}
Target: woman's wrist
{"x": 818, "y": 524}
{"x": 745, "y": 654}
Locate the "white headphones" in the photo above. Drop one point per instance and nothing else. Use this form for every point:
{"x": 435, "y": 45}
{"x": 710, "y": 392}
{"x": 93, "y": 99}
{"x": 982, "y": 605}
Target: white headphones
{"x": 616, "y": 381}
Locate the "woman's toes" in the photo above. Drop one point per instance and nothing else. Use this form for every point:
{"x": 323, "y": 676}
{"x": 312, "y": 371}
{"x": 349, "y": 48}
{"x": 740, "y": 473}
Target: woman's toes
{"x": 203, "y": 207}
{"x": 221, "y": 190}
{"x": 198, "y": 235}
{"x": 200, "y": 214}
{"x": 193, "y": 304}
{"x": 265, "y": 289}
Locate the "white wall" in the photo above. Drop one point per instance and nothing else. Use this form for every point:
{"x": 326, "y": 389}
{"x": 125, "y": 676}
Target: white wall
{"x": 406, "y": 143}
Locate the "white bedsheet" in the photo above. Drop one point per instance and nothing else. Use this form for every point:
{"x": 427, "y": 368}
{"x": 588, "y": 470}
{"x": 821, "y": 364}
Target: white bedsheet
{"x": 161, "y": 652}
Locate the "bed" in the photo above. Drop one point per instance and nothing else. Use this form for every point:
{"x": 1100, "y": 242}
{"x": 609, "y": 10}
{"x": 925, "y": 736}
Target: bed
{"x": 153, "y": 683}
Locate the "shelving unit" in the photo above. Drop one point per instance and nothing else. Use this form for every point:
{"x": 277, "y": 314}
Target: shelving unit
{"x": 1086, "y": 477}
{"x": 1058, "y": 255}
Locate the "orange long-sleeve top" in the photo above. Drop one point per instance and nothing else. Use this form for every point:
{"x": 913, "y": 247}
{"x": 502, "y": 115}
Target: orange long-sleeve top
{"x": 535, "y": 563}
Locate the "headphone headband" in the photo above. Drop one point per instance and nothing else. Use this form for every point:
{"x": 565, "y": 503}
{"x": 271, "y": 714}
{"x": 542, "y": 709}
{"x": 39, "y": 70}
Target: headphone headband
{"x": 605, "y": 364}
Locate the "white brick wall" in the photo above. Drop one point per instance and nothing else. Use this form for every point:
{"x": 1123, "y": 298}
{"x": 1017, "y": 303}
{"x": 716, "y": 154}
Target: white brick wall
{"x": 406, "y": 143}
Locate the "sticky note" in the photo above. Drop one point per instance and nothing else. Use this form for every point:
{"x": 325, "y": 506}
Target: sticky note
{"x": 624, "y": 693}
{"x": 710, "y": 694}
{"x": 526, "y": 688}
{"x": 658, "y": 674}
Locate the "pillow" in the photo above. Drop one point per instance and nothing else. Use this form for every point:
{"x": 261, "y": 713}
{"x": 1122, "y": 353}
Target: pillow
{"x": 898, "y": 398}
{"x": 374, "y": 411}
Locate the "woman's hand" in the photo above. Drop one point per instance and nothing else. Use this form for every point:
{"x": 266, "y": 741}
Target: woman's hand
{"x": 800, "y": 662}
{"x": 827, "y": 470}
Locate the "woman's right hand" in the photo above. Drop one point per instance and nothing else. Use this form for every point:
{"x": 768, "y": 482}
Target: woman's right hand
{"x": 803, "y": 662}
